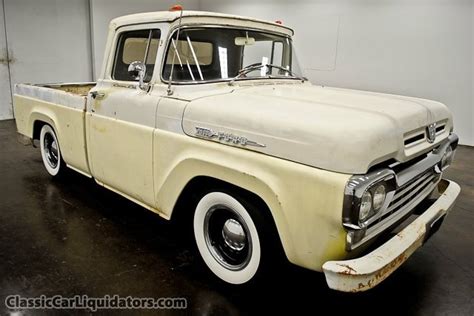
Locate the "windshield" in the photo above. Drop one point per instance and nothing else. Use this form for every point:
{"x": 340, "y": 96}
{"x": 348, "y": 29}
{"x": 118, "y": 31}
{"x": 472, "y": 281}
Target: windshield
{"x": 209, "y": 54}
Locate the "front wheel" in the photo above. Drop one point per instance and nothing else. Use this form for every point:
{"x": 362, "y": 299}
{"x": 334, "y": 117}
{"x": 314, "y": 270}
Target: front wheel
{"x": 50, "y": 151}
{"x": 227, "y": 237}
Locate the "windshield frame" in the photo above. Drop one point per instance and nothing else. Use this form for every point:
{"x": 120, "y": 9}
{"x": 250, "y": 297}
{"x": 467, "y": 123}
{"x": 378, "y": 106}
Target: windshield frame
{"x": 172, "y": 32}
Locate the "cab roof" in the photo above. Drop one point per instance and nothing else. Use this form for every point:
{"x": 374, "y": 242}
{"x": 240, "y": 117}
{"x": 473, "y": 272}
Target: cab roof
{"x": 198, "y": 17}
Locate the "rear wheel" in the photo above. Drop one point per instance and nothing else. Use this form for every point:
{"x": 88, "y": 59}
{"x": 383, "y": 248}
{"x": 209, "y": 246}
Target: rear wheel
{"x": 229, "y": 236}
{"x": 50, "y": 151}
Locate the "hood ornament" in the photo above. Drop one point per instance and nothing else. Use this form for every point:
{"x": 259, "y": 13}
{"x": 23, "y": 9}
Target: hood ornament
{"x": 431, "y": 133}
{"x": 208, "y": 133}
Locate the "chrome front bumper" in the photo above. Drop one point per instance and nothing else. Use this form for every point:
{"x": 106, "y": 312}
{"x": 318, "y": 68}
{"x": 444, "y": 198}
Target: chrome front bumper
{"x": 362, "y": 274}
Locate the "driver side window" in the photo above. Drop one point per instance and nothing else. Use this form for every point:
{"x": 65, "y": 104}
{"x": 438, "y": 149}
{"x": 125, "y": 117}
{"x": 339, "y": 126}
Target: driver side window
{"x": 141, "y": 45}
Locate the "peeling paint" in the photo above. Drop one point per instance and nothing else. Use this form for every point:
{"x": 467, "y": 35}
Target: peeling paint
{"x": 348, "y": 269}
{"x": 384, "y": 272}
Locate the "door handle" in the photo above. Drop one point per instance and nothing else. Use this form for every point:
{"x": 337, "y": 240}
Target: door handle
{"x": 97, "y": 95}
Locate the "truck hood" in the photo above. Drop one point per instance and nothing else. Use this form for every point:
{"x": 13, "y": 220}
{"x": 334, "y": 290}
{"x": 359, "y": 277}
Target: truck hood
{"x": 339, "y": 130}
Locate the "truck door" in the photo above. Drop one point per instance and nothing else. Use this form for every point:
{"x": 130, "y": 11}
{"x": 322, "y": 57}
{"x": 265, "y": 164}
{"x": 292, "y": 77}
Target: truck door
{"x": 121, "y": 117}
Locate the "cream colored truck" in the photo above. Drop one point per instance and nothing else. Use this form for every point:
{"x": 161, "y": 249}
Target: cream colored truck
{"x": 201, "y": 114}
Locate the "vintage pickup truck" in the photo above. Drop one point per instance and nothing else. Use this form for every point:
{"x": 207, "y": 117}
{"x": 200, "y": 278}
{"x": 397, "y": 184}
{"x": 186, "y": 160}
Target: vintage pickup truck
{"x": 201, "y": 115}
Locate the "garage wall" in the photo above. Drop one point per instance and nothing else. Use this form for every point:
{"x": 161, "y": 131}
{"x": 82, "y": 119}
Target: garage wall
{"x": 420, "y": 48}
{"x": 6, "y": 111}
{"x": 49, "y": 40}
{"x": 102, "y": 11}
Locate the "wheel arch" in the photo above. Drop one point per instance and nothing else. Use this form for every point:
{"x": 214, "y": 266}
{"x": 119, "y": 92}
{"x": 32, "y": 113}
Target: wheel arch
{"x": 203, "y": 183}
{"x": 37, "y": 126}
{"x": 194, "y": 174}
{"x": 37, "y": 120}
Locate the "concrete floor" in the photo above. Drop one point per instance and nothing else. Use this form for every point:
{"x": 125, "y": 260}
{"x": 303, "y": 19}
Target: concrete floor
{"x": 73, "y": 237}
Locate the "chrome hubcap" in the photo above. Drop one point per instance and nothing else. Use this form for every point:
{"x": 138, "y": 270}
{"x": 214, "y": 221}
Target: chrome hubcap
{"x": 51, "y": 149}
{"x": 227, "y": 238}
{"x": 234, "y": 235}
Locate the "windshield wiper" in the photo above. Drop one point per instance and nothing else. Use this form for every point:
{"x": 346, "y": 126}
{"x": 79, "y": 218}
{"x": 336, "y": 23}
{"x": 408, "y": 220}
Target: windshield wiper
{"x": 254, "y": 67}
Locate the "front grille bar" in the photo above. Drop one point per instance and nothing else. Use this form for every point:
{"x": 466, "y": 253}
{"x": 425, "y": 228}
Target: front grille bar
{"x": 406, "y": 195}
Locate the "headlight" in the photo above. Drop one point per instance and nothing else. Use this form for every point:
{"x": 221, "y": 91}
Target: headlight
{"x": 379, "y": 197}
{"x": 365, "y": 206}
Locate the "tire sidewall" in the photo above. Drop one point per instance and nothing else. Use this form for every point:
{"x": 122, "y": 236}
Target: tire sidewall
{"x": 204, "y": 205}
{"x": 46, "y": 129}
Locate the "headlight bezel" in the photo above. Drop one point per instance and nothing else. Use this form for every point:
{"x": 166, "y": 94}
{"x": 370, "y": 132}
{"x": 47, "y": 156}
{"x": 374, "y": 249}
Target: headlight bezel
{"x": 356, "y": 188}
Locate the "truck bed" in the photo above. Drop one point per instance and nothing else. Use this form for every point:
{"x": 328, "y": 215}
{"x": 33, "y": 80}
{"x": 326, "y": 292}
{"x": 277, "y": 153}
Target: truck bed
{"x": 74, "y": 88}
{"x": 63, "y": 107}
{"x": 67, "y": 94}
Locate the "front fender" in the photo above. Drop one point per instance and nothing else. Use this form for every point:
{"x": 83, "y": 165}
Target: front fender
{"x": 305, "y": 202}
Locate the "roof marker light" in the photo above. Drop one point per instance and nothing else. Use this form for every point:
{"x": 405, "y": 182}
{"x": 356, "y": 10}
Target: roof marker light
{"x": 278, "y": 22}
{"x": 176, "y": 7}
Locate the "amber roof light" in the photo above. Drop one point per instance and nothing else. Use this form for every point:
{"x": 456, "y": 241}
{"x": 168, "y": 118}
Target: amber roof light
{"x": 176, "y": 7}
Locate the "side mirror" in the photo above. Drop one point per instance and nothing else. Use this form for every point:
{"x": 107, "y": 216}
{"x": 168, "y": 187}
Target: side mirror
{"x": 137, "y": 71}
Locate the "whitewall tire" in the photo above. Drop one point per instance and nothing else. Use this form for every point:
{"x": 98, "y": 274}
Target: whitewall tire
{"x": 227, "y": 238}
{"x": 50, "y": 151}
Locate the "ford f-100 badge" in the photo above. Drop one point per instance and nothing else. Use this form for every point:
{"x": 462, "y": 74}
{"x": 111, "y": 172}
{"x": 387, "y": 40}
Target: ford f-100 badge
{"x": 227, "y": 137}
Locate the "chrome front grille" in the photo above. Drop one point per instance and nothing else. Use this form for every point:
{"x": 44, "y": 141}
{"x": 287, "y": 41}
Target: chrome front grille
{"x": 408, "y": 193}
{"x": 404, "y": 200}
